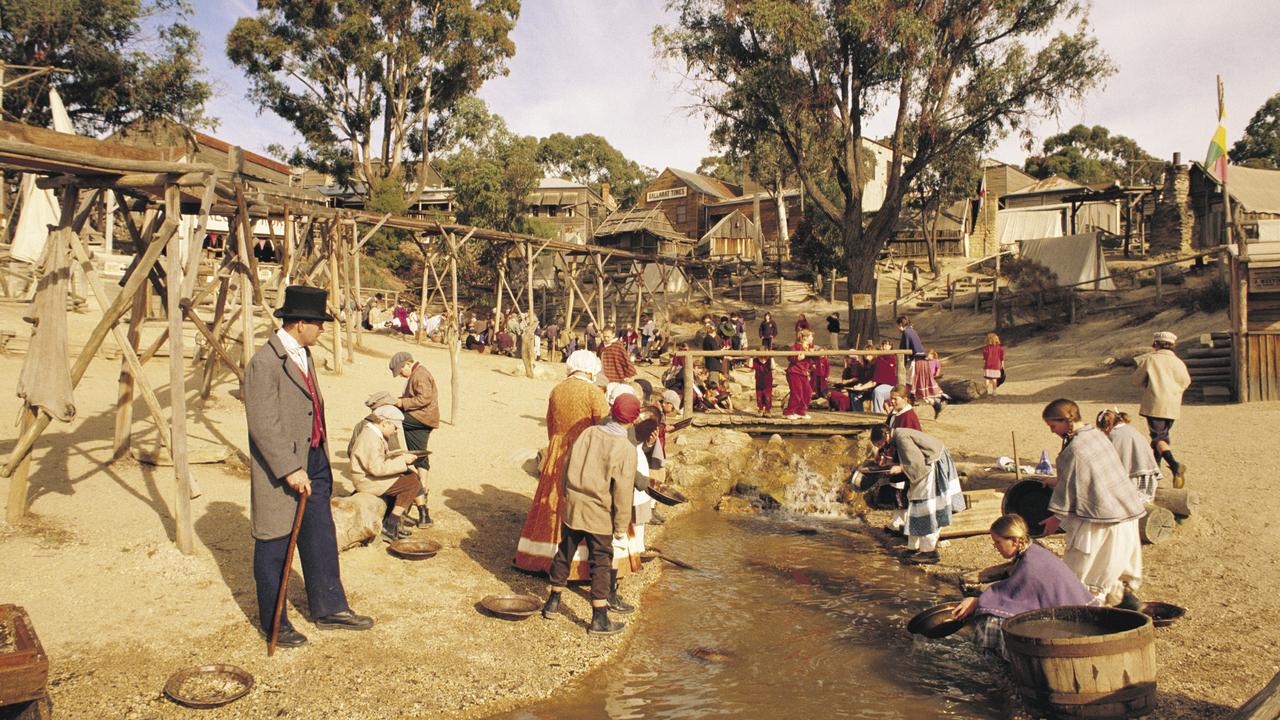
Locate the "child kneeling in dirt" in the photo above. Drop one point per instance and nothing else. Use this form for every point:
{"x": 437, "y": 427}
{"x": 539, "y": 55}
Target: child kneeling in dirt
{"x": 599, "y": 489}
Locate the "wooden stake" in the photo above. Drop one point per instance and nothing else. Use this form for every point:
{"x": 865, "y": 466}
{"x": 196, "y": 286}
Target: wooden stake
{"x": 177, "y": 384}
{"x": 124, "y": 396}
{"x": 334, "y": 297}
{"x": 1017, "y": 462}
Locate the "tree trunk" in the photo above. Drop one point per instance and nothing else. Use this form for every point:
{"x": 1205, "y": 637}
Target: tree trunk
{"x": 861, "y": 271}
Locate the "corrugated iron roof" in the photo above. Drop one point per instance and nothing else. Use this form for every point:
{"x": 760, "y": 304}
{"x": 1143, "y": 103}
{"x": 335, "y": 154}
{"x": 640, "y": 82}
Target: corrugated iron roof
{"x": 704, "y": 184}
{"x": 1050, "y": 184}
{"x": 1255, "y": 189}
{"x": 651, "y": 220}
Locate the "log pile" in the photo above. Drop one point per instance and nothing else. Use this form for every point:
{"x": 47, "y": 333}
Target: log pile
{"x": 1208, "y": 359}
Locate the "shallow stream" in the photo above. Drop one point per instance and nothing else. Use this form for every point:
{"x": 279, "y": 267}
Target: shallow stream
{"x": 782, "y": 619}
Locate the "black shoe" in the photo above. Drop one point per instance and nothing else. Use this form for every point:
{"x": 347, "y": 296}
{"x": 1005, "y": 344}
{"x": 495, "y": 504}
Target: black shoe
{"x": 938, "y": 407}
{"x": 424, "y": 516}
{"x": 618, "y": 605}
{"x": 345, "y": 620}
{"x": 1130, "y": 602}
{"x": 922, "y": 558}
{"x": 289, "y": 638}
{"x": 392, "y": 530}
{"x": 602, "y": 625}
{"x": 552, "y": 606}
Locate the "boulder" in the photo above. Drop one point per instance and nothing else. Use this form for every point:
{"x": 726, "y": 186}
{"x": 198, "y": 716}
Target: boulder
{"x": 963, "y": 390}
{"x": 357, "y": 518}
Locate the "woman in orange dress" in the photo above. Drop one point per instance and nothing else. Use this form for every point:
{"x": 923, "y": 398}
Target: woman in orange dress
{"x": 575, "y": 404}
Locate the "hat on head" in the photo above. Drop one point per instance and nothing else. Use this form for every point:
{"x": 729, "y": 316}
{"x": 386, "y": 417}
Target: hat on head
{"x": 304, "y": 303}
{"x": 1166, "y": 337}
{"x": 378, "y": 399}
{"x": 646, "y": 388}
{"x": 398, "y": 360}
{"x": 584, "y": 361}
{"x": 626, "y": 408}
{"x": 671, "y": 396}
{"x": 389, "y": 412}
{"x": 615, "y": 389}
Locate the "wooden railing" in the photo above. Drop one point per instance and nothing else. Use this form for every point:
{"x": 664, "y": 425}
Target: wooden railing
{"x": 689, "y": 355}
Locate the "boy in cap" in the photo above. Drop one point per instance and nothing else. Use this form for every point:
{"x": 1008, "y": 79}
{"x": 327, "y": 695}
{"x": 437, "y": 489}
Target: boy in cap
{"x": 379, "y": 470}
{"x": 1163, "y": 378}
{"x": 599, "y": 488}
{"x": 420, "y": 403}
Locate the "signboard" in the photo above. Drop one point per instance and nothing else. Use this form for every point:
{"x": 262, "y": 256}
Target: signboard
{"x": 675, "y": 192}
{"x": 1264, "y": 280}
{"x": 861, "y": 301}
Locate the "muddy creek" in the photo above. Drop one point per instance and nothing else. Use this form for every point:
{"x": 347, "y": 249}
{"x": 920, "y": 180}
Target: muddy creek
{"x": 782, "y": 618}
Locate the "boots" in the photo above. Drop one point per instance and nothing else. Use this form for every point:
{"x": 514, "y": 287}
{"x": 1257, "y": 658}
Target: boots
{"x": 601, "y": 624}
{"x": 552, "y": 606}
{"x": 424, "y": 516}
{"x": 392, "y": 531}
{"x": 616, "y": 603}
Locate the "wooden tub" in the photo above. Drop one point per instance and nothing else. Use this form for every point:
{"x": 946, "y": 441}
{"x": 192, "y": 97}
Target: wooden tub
{"x": 1084, "y": 662}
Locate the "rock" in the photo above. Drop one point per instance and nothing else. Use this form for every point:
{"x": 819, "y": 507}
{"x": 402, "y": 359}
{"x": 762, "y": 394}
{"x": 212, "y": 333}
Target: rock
{"x": 963, "y": 390}
{"x": 357, "y": 518}
{"x": 737, "y": 505}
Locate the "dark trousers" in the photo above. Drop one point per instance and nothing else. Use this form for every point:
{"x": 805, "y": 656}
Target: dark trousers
{"x": 317, "y": 548}
{"x": 599, "y": 555}
{"x": 416, "y": 436}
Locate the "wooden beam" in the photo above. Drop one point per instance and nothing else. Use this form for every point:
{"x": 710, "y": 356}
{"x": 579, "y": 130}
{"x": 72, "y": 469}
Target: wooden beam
{"x": 356, "y": 249}
{"x": 109, "y": 318}
{"x": 177, "y": 386}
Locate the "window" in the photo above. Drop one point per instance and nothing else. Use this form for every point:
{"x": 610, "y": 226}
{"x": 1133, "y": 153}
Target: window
{"x": 551, "y": 210}
{"x": 534, "y": 211}
{"x": 681, "y": 214}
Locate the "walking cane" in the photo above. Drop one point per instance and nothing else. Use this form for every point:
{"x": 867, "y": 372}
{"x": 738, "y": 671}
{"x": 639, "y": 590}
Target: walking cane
{"x": 288, "y": 566}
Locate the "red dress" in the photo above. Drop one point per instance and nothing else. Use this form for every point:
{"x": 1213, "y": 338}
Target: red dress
{"x": 763, "y": 368}
{"x": 820, "y": 370}
{"x": 992, "y": 361}
{"x": 798, "y": 382}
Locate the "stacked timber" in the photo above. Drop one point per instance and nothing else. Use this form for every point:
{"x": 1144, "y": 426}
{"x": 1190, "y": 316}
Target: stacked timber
{"x": 1208, "y": 360}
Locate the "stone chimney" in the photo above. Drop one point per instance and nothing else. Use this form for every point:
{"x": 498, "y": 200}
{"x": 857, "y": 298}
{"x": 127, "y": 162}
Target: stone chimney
{"x": 605, "y": 195}
{"x": 1173, "y": 224}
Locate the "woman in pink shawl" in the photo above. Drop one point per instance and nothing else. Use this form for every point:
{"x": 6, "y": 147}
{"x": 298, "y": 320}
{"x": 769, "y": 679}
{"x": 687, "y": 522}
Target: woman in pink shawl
{"x": 1037, "y": 579}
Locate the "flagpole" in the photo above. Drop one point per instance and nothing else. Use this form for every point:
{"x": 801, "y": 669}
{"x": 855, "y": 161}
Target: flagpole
{"x": 1226, "y": 196}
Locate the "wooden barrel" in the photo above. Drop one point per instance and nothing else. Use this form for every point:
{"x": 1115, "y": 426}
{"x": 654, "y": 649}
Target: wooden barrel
{"x": 1029, "y": 499}
{"x": 1083, "y": 662}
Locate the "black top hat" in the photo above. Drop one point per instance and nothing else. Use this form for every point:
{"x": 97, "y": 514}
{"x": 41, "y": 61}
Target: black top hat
{"x": 304, "y": 303}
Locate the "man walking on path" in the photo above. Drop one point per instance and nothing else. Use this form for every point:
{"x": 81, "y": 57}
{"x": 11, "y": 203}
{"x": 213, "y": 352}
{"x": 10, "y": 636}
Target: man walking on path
{"x": 833, "y": 329}
{"x": 289, "y": 451}
{"x": 1163, "y": 378}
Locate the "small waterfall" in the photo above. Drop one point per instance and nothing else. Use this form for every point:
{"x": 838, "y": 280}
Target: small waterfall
{"x": 813, "y": 493}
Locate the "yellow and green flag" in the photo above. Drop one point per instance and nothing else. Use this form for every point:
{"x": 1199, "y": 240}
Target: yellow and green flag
{"x": 1215, "y": 161}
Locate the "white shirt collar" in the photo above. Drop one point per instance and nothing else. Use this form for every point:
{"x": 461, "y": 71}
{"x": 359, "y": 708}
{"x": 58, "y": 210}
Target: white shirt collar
{"x": 297, "y": 353}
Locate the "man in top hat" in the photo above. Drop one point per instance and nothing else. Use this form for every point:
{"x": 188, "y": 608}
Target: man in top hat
{"x": 289, "y": 451}
{"x": 1163, "y": 378}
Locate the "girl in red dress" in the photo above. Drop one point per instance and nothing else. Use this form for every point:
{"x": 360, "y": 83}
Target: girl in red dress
{"x": 798, "y": 378}
{"x": 992, "y": 362}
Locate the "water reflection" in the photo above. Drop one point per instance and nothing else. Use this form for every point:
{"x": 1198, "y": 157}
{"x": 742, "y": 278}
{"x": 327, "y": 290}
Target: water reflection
{"x": 793, "y": 626}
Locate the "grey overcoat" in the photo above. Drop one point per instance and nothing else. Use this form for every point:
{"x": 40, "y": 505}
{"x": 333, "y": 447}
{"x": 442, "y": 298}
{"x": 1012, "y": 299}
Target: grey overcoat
{"x": 279, "y": 413}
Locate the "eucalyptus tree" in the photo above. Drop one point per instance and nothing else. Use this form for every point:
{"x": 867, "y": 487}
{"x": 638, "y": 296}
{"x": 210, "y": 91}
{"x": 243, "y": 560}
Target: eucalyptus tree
{"x": 821, "y": 75}
{"x": 362, "y": 81}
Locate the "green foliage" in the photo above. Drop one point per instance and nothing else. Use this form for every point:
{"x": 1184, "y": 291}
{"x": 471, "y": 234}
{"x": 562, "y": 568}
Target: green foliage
{"x": 343, "y": 72}
{"x": 1092, "y": 155}
{"x": 591, "y": 160}
{"x": 129, "y": 59}
{"x": 721, "y": 168}
{"x": 812, "y": 76}
{"x": 1260, "y": 145}
{"x": 492, "y": 169}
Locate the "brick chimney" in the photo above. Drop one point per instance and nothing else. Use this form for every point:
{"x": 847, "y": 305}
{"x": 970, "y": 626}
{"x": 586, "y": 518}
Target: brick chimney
{"x": 605, "y": 195}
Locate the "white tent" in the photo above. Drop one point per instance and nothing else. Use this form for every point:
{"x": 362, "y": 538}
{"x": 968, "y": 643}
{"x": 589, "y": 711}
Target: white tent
{"x": 1015, "y": 225}
{"x": 1074, "y": 259}
{"x": 39, "y": 207}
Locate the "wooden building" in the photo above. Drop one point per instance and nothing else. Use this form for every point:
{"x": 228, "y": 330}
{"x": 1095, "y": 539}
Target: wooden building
{"x": 734, "y": 237}
{"x": 998, "y": 180}
{"x": 761, "y": 208}
{"x": 1255, "y": 204}
{"x": 682, "y": 195}
{"x": 640, "y": 230}
{"x": 575, "y": 209}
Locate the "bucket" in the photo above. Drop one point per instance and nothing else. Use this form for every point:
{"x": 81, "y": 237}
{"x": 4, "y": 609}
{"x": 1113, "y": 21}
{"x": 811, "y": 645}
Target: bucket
{"x": 1083, "y": 662}
{"x": 1029, "y": 499}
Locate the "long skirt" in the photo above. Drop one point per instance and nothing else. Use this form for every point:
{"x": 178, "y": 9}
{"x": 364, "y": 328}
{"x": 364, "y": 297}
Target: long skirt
{"x": 924, "y": 386}
{"x": 1107, "y": 557}
{"x": 879, "y": 396}
{"x": 801, "y": 391}
{"x": 1147, "y": 483}
{"x": 932, "y": 511}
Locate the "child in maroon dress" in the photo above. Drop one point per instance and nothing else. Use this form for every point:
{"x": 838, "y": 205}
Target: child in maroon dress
{"x": 798, "y": 378}
{"x": 763, "y": 369}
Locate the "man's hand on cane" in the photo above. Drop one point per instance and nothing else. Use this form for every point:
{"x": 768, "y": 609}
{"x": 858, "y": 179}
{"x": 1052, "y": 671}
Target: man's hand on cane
{"x": 299, "y": 481}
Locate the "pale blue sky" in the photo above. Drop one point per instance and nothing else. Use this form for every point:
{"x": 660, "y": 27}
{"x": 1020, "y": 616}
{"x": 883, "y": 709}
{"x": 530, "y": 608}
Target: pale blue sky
{"x": 588, "y": 66}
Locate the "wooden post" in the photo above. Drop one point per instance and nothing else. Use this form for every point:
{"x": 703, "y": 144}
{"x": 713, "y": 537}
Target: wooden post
{"x": 599, "y": 292}
{"x": 568, "y": 306}
{"x": 1240, "y": 347}
{"x": 219, "y": 311}
{"x": 526, "y": 340}
{"x": 334, "y": 297}
{"x": 422, "y": 311}
{"x": 832, "y": 296}
{"x": 1159, "y": 288}
{"x": 455, "y": 345}
{"x": 420, "y": 333}
{"x": 177, "y": 383}
{"x": 17, "y": 503}
{"x": 502, "y": 279}
{"x": 124, "y": 397}
{"x": 350, "y": 301}
{"x": 688, "y": 386}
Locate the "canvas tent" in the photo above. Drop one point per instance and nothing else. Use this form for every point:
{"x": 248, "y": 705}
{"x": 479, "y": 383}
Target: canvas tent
{"x": 1015, "y": 225}
{"x": 1074, "y": 259}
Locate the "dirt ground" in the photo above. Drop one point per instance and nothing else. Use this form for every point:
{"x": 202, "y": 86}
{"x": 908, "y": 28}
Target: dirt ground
{"x": 119, "y": 608}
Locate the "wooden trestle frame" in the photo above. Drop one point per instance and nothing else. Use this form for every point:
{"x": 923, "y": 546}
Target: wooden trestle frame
{"x": 321, "y": 246}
